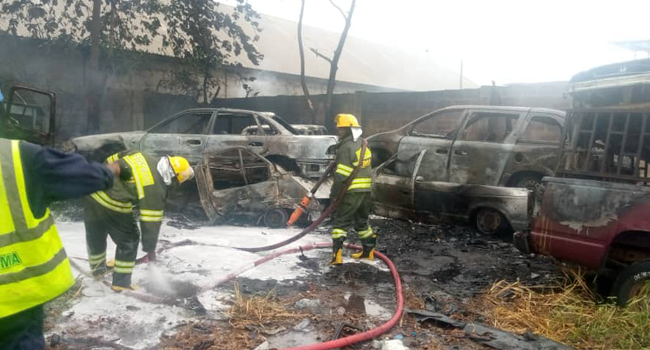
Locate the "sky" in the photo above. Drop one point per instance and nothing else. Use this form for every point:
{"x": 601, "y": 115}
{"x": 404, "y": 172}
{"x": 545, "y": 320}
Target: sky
{"x": 502, "y": 40}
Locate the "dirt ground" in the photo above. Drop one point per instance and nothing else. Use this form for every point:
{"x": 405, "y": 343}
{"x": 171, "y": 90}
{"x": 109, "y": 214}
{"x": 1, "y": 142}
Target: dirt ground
{"x": 442, "y": 267}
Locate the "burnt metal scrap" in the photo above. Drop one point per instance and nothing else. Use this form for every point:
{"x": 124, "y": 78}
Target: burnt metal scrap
{"x": 400, "y": 191}
{"x": 489, "y": 336}
{"x": 239, "y": 183}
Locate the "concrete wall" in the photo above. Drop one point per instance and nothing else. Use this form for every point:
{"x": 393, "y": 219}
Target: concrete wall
{"x": 133, "y": 99}
{"x": 386, "y": 111}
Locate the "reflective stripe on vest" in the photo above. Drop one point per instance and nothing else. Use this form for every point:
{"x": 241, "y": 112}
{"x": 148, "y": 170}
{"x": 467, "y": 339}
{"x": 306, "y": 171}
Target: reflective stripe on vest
{"x": 34, "y": 268}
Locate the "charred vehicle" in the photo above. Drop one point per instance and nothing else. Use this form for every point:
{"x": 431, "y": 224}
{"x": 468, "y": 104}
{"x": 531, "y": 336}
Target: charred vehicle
{"x": 28, "y": 113}
{"x": 238, "y": 184}
{"x": 595, "y": 212}
{"x": 400, "y": 191}
{"x": 310, "y": 129}
{"x": 196, "y": 132}
{"x": 481, "y": 145}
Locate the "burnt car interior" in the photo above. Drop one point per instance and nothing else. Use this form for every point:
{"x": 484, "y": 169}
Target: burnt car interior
{"x": 612, "y": 144}
{"x": 442, "y": 125}
{"x": 237, "y": 168}
{"x": 29, "y": 110}
{"x": 489, "y": 127}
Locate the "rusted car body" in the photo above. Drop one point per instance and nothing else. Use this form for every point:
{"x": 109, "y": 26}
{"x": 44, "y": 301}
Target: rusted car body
{"x": 400, "y": 191}
{"x": 240, "y": 185}
{"x": 596, "y": 211}
{"x": 482, "y": 145}
{"x": 198, "y": 132}
{"x": 28, "y": 113}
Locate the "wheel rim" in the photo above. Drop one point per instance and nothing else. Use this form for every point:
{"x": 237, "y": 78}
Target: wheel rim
{"x": 275, "y": 218}
{"x": 488, "y": 220}
{"x": 530, "y": 184}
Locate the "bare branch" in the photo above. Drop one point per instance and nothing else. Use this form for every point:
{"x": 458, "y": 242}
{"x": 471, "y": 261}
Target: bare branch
{"x": 340, "y": 10}
{"x": 303, "y": 81}
{"x": 321, "y": 55}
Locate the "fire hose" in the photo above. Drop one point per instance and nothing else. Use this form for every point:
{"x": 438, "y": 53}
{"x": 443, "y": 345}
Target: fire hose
{"x": 333, "y": 344}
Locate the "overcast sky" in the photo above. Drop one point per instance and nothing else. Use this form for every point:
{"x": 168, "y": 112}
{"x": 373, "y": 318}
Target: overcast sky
{"x": 508, "y": 41}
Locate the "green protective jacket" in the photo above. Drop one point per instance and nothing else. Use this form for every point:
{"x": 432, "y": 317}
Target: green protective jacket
{"x": 347, "y": 158}
{"x": 141, "y": 187}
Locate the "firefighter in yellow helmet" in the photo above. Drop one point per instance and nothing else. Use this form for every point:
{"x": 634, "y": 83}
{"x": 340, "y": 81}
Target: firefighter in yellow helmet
{"x": 144, "y": 184}
{"x": 355, "y": 207}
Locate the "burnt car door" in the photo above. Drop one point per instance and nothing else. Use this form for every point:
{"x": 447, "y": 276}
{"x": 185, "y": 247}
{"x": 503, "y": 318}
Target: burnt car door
{"x": 435, "y": 134}
{"x": 238, "y": 129}
{"x": 182, "y": 134}
{"x": 483, "y": 147}
{"x": 392, "y": 190}
{"x": 28, "y": 114}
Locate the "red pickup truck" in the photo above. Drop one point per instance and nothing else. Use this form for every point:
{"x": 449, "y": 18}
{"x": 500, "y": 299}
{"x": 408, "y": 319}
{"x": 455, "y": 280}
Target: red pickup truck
{"x": 596, "y": 210}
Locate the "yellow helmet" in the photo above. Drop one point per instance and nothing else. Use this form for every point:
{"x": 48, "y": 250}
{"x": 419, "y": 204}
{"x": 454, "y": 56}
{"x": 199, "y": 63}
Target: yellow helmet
{"x": 346, "y": 121}
{"x": 182, "y": 168}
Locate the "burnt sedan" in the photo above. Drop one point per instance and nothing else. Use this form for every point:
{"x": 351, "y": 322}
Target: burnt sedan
{"x": 400, "y": 191}
{"x": 196, "y": 132}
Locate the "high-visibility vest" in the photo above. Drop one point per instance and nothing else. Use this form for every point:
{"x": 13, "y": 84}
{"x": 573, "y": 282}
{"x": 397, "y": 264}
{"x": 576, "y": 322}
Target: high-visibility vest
{"x": 34, "y": 267}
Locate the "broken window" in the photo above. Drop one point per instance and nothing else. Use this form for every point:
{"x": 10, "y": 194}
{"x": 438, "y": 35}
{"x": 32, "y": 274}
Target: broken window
{"x": 489, "y": 127}
{"x": 30, "y": 110}
{"x": 236, "y": 168}
{"x": 608, "y": 144}
{"x": 234, "y": 124}
{"x": 190, "y": 123}
{"x": 543, "y": 129}
{"x": 441, "y": 125}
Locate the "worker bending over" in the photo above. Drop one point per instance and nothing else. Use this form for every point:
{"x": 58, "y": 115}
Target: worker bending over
{"x": 354, "y": 208}
{"x": 144, "y": 183}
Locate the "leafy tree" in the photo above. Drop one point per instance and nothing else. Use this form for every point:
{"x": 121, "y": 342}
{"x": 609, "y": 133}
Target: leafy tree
{"x": 113, "y": 36}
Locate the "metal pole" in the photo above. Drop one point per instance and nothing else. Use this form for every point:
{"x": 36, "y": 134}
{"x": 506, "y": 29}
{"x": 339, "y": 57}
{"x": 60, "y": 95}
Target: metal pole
{"x": 461, "y": 74}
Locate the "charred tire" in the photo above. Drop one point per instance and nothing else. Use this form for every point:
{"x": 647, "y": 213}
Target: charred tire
{"x": 529, "y": 182}
{"x": 490, "y": 221}
{"x": 630, "y": 282}
{"x": 276, "y": 218}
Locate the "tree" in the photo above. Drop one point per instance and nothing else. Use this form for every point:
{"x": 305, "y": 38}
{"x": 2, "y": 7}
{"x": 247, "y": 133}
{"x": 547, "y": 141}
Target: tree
{"x": 113, "y": 36}
{"x": 303, "y": 82}
{"x": 334, "y": 61}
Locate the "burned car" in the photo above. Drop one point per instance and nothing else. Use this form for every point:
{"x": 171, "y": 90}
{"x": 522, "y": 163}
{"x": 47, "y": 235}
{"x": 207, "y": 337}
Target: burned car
{"x": 196, "y": 132}
{"x": 310, "y": 129}
{"x": 28, "y": 113}
{"x": 239, "y": 185}
{"x": 594, "y": 213}
{"x": 482, "y": 145}
{"x": 400, "y": 191}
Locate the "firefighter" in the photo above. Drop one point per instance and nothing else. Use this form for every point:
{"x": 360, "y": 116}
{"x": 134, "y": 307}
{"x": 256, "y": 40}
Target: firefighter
{"x": 355, "y": 206}
{"x": 34, "y": 268}
{"x": 144, "y": 183}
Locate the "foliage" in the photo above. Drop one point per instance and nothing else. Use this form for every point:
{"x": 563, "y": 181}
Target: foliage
{"x": 206, "y": 37}
{"x": 569, "y": 313}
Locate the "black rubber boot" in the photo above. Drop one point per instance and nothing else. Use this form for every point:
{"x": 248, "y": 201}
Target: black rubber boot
{"x": 368, "y": 251}
{"x": 337, "y": 251}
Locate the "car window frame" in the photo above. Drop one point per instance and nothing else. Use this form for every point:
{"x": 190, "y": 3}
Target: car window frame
{"x": 509, "y": 139}
{"x": 529, "y": 119}
{"x": 178, "y": 115}
{"x": 434, "y": 114}
{"x": 216, "y": 116}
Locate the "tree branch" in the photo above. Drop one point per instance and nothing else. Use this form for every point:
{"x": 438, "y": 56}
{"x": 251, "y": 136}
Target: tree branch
{"x": 321, "y": 55}
{"x": 303, "y": 82}
{"x": 340, "y": 10}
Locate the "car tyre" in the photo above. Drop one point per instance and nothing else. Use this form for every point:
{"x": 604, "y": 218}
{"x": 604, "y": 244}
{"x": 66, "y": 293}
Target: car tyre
{"x": 630, "y": 282}
{"x": 490, "y": 221}
{"x": 276, "y": 218}
{"x": 529, "y": 182}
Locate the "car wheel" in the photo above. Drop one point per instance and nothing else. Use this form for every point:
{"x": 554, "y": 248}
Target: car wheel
{"x": 632, "y": 282}
{"x": 276, "y": 218}
{"x": 489, "y": 221}
{"x": 530, "y": 182}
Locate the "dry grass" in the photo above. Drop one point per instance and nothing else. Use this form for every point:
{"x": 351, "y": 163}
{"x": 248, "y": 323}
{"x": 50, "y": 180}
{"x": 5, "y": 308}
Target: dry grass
{"x": 569, "y": 313}
{"x": 258, "y": 310}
